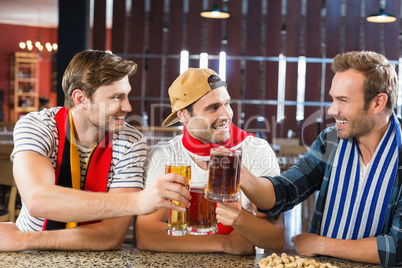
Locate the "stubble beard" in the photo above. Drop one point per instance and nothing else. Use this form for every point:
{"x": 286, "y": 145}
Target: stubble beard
{"x": 360, "y": 126}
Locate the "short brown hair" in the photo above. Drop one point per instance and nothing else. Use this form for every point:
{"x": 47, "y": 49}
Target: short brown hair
{"x": 380, "y": 74}
{"x": 91, "y": 69}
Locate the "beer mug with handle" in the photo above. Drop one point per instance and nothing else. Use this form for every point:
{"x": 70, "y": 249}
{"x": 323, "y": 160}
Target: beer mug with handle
{"x": 200, "y": 216}
{"x": 224, "y": 176}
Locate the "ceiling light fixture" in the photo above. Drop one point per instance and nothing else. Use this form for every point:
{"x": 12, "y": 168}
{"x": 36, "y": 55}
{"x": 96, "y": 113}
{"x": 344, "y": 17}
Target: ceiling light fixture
{"x": 381, "y": 17}
{"x": 30, "y": 46}
{"x": 215, "y": 13}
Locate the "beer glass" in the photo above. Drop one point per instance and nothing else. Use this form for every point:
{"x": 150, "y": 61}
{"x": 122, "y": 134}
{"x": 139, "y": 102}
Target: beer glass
{"x": 176, "y": 220}
{"x": 224, "y": 176}
{"x": 200, "y": 216}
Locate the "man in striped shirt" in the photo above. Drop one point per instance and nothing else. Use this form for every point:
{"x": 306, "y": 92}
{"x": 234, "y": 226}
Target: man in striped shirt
{"x": 79, "y": 168}
{"x": 354, "y": 165}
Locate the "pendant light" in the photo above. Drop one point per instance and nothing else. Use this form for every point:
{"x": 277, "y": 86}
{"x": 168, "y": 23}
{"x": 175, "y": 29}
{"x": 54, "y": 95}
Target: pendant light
{"x": 215, "y": 13}
{"x": 381, "y": 17}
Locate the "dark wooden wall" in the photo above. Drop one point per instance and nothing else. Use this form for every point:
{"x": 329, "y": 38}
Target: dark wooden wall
{"x": 154, "y": 32}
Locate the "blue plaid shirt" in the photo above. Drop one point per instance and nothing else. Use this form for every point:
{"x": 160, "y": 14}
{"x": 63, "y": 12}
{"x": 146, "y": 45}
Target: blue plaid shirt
{"x": 312, "y": 173}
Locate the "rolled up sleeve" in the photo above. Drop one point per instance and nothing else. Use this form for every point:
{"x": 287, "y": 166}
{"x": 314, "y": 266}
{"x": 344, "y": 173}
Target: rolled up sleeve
{"x": 300, "y": 181}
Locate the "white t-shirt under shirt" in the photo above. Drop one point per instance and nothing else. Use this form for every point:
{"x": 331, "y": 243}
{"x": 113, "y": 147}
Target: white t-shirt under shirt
{"x": 38, "y": 132}
{"x": 257, "y": 157}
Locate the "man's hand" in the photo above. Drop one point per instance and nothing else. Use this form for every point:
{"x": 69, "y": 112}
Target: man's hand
{"x": 246, "y": 178}
{"x": 223, "y": 149}
{"x": 164, "y": 188}
{"x": 227, "y": 213}
{"x": 259, "y": 190}
{"x": 360, "y": 250}
{"x": 308, "y": 244}
{"x": 10, "y": 237}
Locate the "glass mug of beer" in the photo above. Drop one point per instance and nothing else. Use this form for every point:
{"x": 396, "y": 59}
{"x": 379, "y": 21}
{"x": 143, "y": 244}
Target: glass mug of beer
{"x": 200, "y": 216}
{"x": 224, "y": 176}
{"x": 177, "y": 220}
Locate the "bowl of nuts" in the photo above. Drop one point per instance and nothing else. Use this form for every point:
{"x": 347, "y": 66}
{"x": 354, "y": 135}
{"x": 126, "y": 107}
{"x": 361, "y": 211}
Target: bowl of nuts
{"x": 285, "y": 261}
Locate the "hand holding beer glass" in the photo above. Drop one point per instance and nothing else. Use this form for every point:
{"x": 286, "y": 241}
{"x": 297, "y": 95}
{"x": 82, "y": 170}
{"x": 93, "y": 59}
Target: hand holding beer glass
{"x": 176, "y": 220}
{"x": 224, "y": 176}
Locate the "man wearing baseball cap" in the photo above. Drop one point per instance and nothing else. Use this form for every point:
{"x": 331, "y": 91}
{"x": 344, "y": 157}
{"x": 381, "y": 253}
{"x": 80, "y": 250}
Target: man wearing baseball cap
{"x": 200, "y": 99}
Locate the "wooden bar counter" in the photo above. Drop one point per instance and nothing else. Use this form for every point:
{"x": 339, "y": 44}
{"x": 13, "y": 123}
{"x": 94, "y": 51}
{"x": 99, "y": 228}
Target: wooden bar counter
{"x": 132, "y": 257}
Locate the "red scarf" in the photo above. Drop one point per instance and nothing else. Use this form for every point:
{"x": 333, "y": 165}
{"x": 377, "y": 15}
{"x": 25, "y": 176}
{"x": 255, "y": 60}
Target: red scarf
{"x": 98, "y": 164}
{"x": 203, "y": 149}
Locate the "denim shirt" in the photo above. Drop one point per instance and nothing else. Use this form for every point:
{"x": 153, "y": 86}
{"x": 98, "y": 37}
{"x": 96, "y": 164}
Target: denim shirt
{"x": 312, "y": 172}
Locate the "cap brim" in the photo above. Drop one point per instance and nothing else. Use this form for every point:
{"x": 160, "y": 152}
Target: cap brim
{"x": 170, "y": 120}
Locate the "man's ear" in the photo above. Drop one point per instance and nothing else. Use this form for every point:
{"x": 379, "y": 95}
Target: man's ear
{"x": 79, "y": 99}
{"x": 380, "y": 102}
{"x": 183, "y": 115}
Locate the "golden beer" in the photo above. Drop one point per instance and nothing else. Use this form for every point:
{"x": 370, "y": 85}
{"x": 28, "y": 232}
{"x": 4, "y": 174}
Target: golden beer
{"x": 177, "y": 221}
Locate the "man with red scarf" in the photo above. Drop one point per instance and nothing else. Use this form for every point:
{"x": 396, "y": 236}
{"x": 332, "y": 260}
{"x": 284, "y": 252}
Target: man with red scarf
{"x": 200, "y": 99}
{"x": 79, "y": 168}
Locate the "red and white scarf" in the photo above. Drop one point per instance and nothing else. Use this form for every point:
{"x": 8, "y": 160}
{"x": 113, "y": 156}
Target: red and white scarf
{"x": 203, "y": 149}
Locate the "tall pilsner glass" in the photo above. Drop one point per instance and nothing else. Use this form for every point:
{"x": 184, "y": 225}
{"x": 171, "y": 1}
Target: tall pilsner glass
{"x": 177, "y": 221}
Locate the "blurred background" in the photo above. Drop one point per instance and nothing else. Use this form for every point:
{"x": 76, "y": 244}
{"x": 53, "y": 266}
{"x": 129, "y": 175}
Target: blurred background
{"x": 274, "y": 54}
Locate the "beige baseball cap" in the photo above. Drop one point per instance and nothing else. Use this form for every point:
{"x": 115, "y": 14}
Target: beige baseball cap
{"x": 189, "y": 87}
